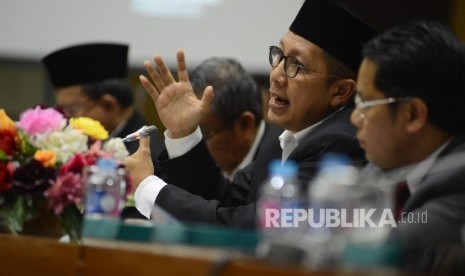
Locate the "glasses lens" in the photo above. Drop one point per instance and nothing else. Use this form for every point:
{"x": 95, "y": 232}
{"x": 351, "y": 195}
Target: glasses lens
{"x": 275, "y": 56}
{"x": 291, "y": 67}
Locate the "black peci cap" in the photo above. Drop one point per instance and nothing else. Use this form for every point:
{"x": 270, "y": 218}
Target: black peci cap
{"x": 87, "y": 63}
{"x": 333, "y": 28}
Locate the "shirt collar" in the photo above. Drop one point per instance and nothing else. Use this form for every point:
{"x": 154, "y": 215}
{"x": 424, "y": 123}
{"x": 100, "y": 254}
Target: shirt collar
{"x": 413, "y": 174}
{"x": 299, "y": 135}
{"x": 418, "y": 172}
{"x": 250, "y": 155}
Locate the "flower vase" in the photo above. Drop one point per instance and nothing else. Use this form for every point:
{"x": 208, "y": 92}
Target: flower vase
{"x": 45, "y": 224}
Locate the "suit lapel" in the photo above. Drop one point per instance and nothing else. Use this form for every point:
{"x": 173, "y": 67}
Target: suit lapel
{"x": 268, "y": 151}
{"x": 442, "y": 178}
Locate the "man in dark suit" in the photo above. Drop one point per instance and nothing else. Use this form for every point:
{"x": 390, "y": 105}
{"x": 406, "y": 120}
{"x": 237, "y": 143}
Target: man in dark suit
{"x": 91, "y": 80}
{"x": 311, "y": 91}
{"x": 411, "y": 123}
{"x": 233, "y": 128}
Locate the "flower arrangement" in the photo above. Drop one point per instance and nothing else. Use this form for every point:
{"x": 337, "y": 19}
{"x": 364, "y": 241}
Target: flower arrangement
{"x": 43, "y": 158}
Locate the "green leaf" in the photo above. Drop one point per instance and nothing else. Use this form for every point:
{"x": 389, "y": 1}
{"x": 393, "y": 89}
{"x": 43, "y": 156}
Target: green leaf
{"x": 71, "y": 221}
{"x": 12, "y": 213}
{"x": 26, "y": 148}
{"x": 15, "y": 210}
{"x": 3, "y": 156}
{"x": 130, "y": 202}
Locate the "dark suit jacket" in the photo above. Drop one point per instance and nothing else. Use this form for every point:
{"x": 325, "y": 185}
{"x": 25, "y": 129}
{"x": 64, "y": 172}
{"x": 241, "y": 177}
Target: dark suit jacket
{"x": 431, "y": 241}
{"x": 201, "y": 194}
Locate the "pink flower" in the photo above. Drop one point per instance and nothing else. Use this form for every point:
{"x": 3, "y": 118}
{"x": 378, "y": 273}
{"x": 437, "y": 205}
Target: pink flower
{"x": 37, "y": 120}
{"x": 65, "y": 190}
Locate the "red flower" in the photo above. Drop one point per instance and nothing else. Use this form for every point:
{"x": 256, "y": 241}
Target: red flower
{"x": 5, "y": 176}
{"x": 75, "y": 165}
{"x": 8, "y": 142}
{"x": 32, "y": 178}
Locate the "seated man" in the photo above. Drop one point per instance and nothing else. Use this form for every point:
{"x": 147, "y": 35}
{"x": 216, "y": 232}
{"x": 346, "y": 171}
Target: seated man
{"x": 91, "y": 80}
{"x": 311, "y": 97}
{"x": 233, "y": 127}
{"x": 411, "y": 123}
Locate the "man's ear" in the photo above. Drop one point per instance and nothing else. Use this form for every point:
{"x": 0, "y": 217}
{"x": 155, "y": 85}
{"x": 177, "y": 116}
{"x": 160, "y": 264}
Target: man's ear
{"x": 416, "y": 114}
{"x": 343, "y": 91}
{"x": 245, "y": 125}
{"x": 110, "y": 103}
{"x": 245, "y": 121}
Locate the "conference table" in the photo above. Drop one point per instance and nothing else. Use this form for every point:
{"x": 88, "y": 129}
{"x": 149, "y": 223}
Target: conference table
{"x": 32, "y": 255}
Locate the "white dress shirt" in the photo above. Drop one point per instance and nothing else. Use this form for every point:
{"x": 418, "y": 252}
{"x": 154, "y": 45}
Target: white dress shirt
{"x": 147, "y": 192}
{"x": 250, "y": 154}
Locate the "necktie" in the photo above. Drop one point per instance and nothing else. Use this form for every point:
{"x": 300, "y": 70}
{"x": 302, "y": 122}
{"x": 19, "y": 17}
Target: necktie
{"x": 401, "y": 194}
{"x": 288, "y": 144}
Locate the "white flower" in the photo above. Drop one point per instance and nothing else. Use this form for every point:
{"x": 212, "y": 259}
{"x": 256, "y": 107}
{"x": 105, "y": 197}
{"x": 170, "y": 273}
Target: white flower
{"x": 64, "y": 143}
{"x": 117, "y": 148}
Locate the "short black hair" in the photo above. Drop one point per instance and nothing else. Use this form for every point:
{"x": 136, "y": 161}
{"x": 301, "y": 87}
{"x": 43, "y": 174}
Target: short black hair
{"x": 119, "y": 88}
{"x": 423, "y": 59}
{"x": 235, "y": 90}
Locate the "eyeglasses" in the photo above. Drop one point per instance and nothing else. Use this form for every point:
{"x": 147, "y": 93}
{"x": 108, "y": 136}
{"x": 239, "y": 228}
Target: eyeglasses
{"x": 360, "y": 104}
{"x": 74, "y": 109}
{"x": 291, "y": 65}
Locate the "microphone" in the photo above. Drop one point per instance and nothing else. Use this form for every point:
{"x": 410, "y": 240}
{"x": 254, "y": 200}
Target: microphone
{"x": 143, "y": 132}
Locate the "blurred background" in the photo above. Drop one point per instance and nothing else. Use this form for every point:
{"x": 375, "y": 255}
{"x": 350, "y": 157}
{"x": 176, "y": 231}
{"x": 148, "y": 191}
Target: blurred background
{"x": 242, "y": 29}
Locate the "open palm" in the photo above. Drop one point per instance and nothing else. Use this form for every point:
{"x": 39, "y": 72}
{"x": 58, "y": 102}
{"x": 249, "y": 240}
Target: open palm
{"x": 176, "y": 104}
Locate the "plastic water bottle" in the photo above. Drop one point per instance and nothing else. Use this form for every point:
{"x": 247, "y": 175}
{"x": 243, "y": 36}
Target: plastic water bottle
{"x": 105, "y": 190}
{"x": 332, "y": 199}
{"x": 344, "y": 210}
{"x": 278, "y": 214}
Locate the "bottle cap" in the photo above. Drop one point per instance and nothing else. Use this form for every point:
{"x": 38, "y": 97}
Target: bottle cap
{"x": 106, "y": 164}
{"x": 288, "y": 169}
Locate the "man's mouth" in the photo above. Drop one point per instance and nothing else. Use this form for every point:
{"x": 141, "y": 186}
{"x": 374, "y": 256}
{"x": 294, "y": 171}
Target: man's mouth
{"x": 276, "y": 100}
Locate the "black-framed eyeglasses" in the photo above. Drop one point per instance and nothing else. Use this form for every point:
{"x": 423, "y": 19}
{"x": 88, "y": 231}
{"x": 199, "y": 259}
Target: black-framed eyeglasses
{"x": 291, "y": 65}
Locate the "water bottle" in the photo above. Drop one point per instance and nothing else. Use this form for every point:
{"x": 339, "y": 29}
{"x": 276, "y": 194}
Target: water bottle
{"x": 278, "y": 210}
{"x": 332, "y": 199}
{"x": 344, "y": 210}
{"x": 368, "y": 246}
{"x": 105, "y": 190}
